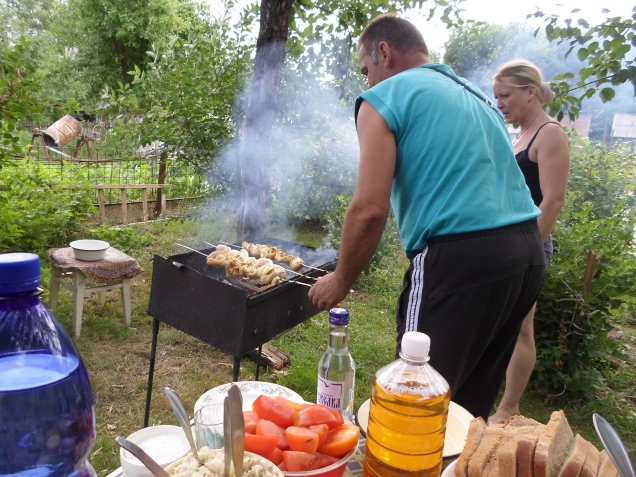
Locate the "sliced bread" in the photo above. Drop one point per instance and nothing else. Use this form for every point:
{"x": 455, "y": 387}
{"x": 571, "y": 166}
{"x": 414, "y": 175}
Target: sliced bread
{"x": 575, "y": 460}
{"x": 485, "y": 450}
{"x": 591, "y": 460}
{"x": 506, "y": 455}
{"x": 553, "y": 446}
{"x": 473, "y": 438}
{"x": 606, "y": 467}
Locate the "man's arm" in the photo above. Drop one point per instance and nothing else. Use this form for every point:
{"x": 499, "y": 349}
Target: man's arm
{"x": 368, "y": 211}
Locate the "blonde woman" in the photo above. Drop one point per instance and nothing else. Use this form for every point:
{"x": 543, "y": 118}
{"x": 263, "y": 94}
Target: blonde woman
{"x": 543, "y": 153}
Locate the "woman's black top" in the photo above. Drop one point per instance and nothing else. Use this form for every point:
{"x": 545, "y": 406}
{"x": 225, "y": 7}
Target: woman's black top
{"x": 531, "y": 169}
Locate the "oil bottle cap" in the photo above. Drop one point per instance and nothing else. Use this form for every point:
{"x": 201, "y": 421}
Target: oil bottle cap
{"x": 416, "y": 345}
{"x": 19, "y": 273}
{"x": 339, "y": 316}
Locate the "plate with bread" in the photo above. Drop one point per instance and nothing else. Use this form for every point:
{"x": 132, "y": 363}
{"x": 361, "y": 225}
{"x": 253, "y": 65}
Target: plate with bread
{"x": 524, "y": 447}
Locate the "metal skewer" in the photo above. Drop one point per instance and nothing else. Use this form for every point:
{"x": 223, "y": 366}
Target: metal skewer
{"x": 236, "y": 246}
{"x": 200, "y": 253}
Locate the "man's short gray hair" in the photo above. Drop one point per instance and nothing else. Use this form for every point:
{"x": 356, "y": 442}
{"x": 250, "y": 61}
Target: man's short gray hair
{"x": 398, "y": 32}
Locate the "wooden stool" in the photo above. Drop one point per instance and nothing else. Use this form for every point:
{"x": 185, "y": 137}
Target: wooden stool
{"x": 113, "y": 272}
{"x": 77, "y": 285}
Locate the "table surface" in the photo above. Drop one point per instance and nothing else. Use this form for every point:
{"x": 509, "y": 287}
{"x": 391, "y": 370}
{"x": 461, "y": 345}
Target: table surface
{"x": 354, "y": 467}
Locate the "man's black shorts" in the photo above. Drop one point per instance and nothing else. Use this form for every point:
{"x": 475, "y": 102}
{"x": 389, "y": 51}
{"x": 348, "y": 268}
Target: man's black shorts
{"x": 470, "y": 293}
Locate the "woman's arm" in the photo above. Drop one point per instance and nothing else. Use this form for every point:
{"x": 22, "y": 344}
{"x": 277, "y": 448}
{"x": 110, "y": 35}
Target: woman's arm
{"x": 552, "y": 150}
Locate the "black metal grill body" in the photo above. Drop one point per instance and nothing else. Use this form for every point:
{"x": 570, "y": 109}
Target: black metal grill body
{"x": 196, "y": 299}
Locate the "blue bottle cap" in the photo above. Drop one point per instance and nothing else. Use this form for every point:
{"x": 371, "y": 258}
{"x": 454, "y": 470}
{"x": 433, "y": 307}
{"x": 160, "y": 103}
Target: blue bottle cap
{"x": 19, "y": 273}
{"x": 339, "y": 316}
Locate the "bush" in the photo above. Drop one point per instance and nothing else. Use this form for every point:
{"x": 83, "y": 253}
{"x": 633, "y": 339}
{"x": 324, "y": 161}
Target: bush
{"x": 388, "y": 243}
{"x": 598, "y": 215}
{"x": 35, "y": 215}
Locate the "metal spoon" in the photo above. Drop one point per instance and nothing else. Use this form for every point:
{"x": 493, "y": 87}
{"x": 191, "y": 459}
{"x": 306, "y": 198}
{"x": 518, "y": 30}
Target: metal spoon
{"x": 145, "y": 459}
{"x": 613, "y": 445}
{"x": 182, "y": 417}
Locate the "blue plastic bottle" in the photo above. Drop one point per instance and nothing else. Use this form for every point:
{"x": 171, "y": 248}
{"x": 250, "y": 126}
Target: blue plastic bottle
{"x": 47, "y": 419}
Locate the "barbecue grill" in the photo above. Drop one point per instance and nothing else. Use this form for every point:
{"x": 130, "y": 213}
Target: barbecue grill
{"x": 232, "y": 314}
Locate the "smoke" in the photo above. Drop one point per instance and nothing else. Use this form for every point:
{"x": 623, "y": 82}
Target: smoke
{"x": 313, "y": 151}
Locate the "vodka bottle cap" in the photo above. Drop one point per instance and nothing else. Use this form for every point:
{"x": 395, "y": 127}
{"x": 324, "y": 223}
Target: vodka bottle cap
{"x": 19, "y": 273}
{"x": 415, "y": 345}
{"x": 339, "y": 316}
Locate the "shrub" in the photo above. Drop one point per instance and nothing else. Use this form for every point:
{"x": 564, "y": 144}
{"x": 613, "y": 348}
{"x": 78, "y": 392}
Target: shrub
{"x": 598, "y": 215}
{"x": 35, "y": 215}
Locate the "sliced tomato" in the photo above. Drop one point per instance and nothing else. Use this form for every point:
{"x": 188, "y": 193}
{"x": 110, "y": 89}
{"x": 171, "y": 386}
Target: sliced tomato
{"x": 276, "y": 411}
{"x": 317, "y": 414}
{"x": 261, "y": 445}
{"x": 268, "y": 428}
{"x": 251, "y": 419}
{"x": 322, "y": 430}
{"x": 294, "y": 405}
{"x": 282, "y": 467}
{"x": 324, "y": 460}
{"x": 276, "y": 456}
{"x": 302, "y": 439}
{"x": 298, "y": 461}
{"x": 338, "y": 417}
{"x": 340, "y": 440}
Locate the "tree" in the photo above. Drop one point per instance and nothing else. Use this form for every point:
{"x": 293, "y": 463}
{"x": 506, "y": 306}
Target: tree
{"x": 605, "y": 49}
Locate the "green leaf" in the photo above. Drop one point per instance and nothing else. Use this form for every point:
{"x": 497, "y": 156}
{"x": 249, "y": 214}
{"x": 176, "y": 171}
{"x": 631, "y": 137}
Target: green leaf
{"x": 582, "y": 54}
{"x": 607, "y": 94}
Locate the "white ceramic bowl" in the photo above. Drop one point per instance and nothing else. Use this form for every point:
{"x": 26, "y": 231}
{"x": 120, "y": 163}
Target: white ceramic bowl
{"x": 165, "y": 444}
{"x": 89, "y": 250}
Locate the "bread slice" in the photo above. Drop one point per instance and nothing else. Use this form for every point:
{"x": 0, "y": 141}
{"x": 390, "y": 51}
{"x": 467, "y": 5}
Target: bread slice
{"x": 520, "y": 421}
{"x": 487, "y": 447}
{"x": 473, "y": 438}
{"x": 606, "y": 467}
{"x": 591, "y": 460}
{"x": 506, "y": 455}
{"x": 553, "y": 446}
{"x": 575, "y": 460}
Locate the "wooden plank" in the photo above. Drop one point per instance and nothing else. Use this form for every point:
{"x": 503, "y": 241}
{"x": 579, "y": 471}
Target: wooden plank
{"x": 124, "y": 206}
{"x": 131, "y": 186}
{"x": 144, "y": 206}
{"x": 102, "y": 207}
{"x": 163, "y": 205}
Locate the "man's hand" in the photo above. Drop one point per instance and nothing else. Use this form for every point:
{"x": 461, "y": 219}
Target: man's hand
{"x": 328, "y": 292}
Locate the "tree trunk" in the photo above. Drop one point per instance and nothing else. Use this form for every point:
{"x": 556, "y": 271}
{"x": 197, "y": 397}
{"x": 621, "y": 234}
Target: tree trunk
{"x": 261, "y": 109}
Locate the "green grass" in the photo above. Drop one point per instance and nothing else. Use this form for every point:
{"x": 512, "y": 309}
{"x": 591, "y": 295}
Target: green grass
{"x": 117, "y": 357}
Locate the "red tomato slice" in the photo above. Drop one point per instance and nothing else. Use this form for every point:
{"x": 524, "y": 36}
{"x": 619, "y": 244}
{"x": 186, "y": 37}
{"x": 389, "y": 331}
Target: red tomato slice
{"x": 261, "y": 445}
{"x": 276, "y": 457}
{"x": 251, "y": 419}
{"x": 302, "y": 439}
{"x": 339, "y": 418}
{"x": 317, "y": 414}
{"x": 298, "y": 461}
{"x": 340, "y": 440}
{"x": 276, "y": 411}
{"x": 282, "y": 467}
{"x": 322, "y": 430}
{"x": 294, "y": 405}
{"x": 323, "y": 460}
{"x": 268, "y": 428}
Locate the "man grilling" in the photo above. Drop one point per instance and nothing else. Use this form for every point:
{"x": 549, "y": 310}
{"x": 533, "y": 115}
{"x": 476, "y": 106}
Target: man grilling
{"x": 434, "y": 148}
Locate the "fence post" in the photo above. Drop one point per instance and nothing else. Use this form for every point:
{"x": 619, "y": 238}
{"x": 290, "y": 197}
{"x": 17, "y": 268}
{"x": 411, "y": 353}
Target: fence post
{"x": 144, "y": 204}
{"x": 161, "y": 180}
{"x": 124, "y": 206}
{"x": 102, "y": 206}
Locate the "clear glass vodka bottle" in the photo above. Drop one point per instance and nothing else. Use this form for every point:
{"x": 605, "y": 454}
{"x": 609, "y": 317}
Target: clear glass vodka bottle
{"x": 336, "y": 370}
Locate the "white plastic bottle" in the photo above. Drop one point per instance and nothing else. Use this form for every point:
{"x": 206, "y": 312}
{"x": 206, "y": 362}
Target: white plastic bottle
{"x": 336, "y": 370}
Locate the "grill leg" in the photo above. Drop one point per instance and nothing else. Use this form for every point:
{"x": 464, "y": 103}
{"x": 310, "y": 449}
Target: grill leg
{"x": 258, "y": 361}
{"x": 237, "y": 369}
{"x": 151, "y": 370}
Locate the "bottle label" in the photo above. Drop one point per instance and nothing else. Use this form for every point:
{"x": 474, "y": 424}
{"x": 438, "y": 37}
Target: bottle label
{"x": 331, "y": 394}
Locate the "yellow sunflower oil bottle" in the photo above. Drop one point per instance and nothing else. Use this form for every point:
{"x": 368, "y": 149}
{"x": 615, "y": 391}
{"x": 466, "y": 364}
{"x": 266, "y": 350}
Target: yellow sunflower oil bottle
{"x": 407, "y": 417}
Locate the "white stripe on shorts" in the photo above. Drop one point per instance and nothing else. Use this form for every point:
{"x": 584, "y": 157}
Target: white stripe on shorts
{"x": 415, "y": 295}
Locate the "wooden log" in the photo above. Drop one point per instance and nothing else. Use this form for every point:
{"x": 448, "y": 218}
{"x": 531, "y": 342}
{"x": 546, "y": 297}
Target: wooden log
{"x": 124, "y": 206}
{"x": 275, "y": 360}
{"x": 102, "y": 206}
{"x": 144, "y": 206}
